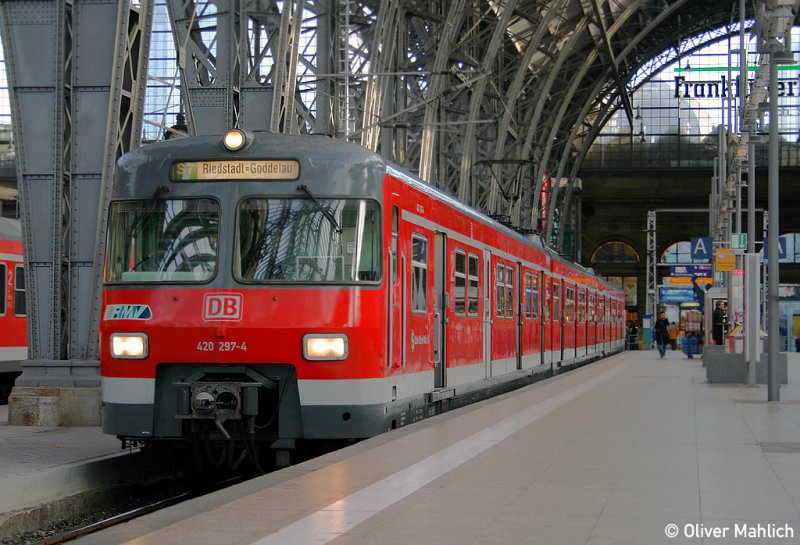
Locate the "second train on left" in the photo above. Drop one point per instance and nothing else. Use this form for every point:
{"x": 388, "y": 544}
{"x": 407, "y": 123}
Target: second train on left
{"x": 267, "y": 290}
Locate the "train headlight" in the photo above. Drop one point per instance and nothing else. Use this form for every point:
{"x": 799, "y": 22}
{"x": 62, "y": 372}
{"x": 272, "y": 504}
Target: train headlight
{"x": 234, "y": 140}
{"x": 325, "y": 346}
{"x": 129, "y": 346}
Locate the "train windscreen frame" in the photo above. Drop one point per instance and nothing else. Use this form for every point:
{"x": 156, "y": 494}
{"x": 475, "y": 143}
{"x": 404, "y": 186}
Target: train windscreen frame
{"x": 162, "y": 240}
{"x": 308, "y": 240}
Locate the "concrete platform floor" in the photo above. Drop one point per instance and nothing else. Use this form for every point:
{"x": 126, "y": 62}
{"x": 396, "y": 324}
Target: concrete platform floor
{"x": 631, "y": 450}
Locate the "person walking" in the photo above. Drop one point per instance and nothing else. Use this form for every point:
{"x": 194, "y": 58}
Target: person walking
{"x": 661, "y": 330}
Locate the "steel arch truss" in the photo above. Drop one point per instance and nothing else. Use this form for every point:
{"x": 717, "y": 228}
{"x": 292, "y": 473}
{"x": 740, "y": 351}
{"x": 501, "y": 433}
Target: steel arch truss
{"x": 457, "y": 91}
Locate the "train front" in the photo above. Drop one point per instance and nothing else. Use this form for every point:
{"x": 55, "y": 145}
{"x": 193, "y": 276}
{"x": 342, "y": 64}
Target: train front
{"x": 242, "y": 298}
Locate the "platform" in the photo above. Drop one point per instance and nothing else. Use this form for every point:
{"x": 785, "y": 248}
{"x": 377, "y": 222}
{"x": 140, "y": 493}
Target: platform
{"x": 613, "y": 453}
{"x": 31, "y": 456}
{"x": 48, "y": 472}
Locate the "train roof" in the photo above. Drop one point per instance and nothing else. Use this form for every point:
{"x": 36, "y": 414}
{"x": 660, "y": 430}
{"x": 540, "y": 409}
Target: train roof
{"x": 10, "y": 229}
{"x": 428, "y": 189}
{"x": 321, "y": 155}
{"x": 530, "y": 240}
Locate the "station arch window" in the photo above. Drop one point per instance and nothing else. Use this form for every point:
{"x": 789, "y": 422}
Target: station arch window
{"x": 792, "y": 248}
{"x": 679, "y": 252}
{"x": 615, "y": 251}
{"x": 790, "y": 245}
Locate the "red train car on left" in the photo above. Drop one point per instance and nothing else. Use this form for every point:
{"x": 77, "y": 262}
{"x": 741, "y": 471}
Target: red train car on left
{"x": 13, "y": 325}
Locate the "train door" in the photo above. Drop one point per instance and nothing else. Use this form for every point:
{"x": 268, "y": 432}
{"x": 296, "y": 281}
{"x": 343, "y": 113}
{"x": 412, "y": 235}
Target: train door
{"x": 602, "y": 324}
{"x": 591, "y": 324}
{"x": 547, "y": 326}
{"x": 570, "y": 325}
{"x": 396, "y": 319}
{"x": 440, "y": 308}
{"x": 580, "y": 320}
{"x": 487, "y": 313}
{"x": 518, "y": 306}
{"x": 557, "y": 324}
{"x": 419, "y": 305}
{"x": 531, "y": 321}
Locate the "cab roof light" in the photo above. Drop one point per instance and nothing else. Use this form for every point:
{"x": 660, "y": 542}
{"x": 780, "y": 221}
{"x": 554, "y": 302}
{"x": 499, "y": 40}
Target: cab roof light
{"x": 234, "y": 140}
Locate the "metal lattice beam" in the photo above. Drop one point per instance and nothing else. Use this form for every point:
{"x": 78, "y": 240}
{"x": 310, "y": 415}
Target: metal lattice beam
{"x": 73, "y": 75}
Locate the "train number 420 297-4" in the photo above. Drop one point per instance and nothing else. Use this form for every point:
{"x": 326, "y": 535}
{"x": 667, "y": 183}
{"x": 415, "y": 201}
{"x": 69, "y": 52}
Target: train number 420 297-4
{"x": 221, "y": 346}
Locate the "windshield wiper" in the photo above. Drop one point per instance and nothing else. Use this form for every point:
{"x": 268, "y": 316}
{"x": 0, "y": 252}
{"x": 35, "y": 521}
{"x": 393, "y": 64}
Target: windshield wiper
{"x": 145, "y": 214}
{"x": 328, "y": 215}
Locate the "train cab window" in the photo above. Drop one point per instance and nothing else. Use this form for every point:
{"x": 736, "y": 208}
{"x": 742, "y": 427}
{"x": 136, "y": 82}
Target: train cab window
{"x": 472, "y": 283}
{"x": 4, "y": 280}
{"x": 162, "y": 240}
{"x": 500, "y": 290}
{"x": 461, "y": 283}
{"x": 19, "y": 291}
{"x": 509, "y": 292}
{"x": 305, "y": 240}
{"x": 419, "y": 278}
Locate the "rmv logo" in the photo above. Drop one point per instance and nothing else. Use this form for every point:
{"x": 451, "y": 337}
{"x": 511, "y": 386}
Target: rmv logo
{"x": 222, "y": 306}
{"x": 128, "y": 312}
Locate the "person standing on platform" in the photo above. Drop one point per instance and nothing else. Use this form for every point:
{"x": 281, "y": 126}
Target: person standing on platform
{"x": 718, "y": 323}
{"x": 661, "y": 330}
{"x": 179, "y": 129}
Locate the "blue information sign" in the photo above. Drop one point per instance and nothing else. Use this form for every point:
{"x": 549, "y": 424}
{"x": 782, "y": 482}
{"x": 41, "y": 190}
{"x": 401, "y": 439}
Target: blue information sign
{"x": 677, "y": 295}
{"x": 700, "y": 271}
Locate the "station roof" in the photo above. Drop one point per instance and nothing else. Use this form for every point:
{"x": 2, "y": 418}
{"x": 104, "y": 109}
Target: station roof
{"x": 586, "y": 59}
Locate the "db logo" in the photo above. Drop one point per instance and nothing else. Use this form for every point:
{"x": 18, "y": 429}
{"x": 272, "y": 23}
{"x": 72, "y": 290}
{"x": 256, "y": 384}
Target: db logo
{"x": 222, "y": 306}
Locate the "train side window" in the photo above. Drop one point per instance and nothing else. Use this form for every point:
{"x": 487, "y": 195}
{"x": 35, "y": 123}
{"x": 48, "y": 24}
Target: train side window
{"x": 581, "y": 306}
{"x": 4, "y": 279}
{"x": 19, "y": 291}
{"x": 509, "y": 292}
{"x": 535, "y": 296}
{"x": 461, "y": 283}
{"x": 473, "y": 290}
{"x": 556, "y": 301}
{"x": 419, "y": 279}
{"x": 528, "y": 295}
{"x": 500, "y": 290}
{"x": 546, "y": 299}
{"x": 569, "y": 304}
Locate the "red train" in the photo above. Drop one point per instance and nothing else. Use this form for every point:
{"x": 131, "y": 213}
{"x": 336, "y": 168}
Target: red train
{"x": 13, "y": 323}
{"x": 271, "y": 289}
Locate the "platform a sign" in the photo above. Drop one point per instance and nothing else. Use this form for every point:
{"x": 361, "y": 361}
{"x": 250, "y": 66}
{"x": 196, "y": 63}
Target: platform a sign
{"x": 701, "y": 248}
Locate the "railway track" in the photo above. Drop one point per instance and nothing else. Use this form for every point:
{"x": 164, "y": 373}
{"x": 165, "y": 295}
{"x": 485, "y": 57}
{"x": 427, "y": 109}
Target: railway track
{"x": 86, "y": 529}
{"x": 107, "y": 516}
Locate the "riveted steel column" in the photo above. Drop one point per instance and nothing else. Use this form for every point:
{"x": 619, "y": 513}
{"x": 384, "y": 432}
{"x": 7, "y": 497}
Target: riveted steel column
{"x": 66, "y": 100}
{"x": 34, "y": 44}
{"x": 652, "y": 259}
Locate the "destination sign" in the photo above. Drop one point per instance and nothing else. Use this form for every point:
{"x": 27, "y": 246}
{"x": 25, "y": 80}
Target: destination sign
{"x": 252, "y": 169}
